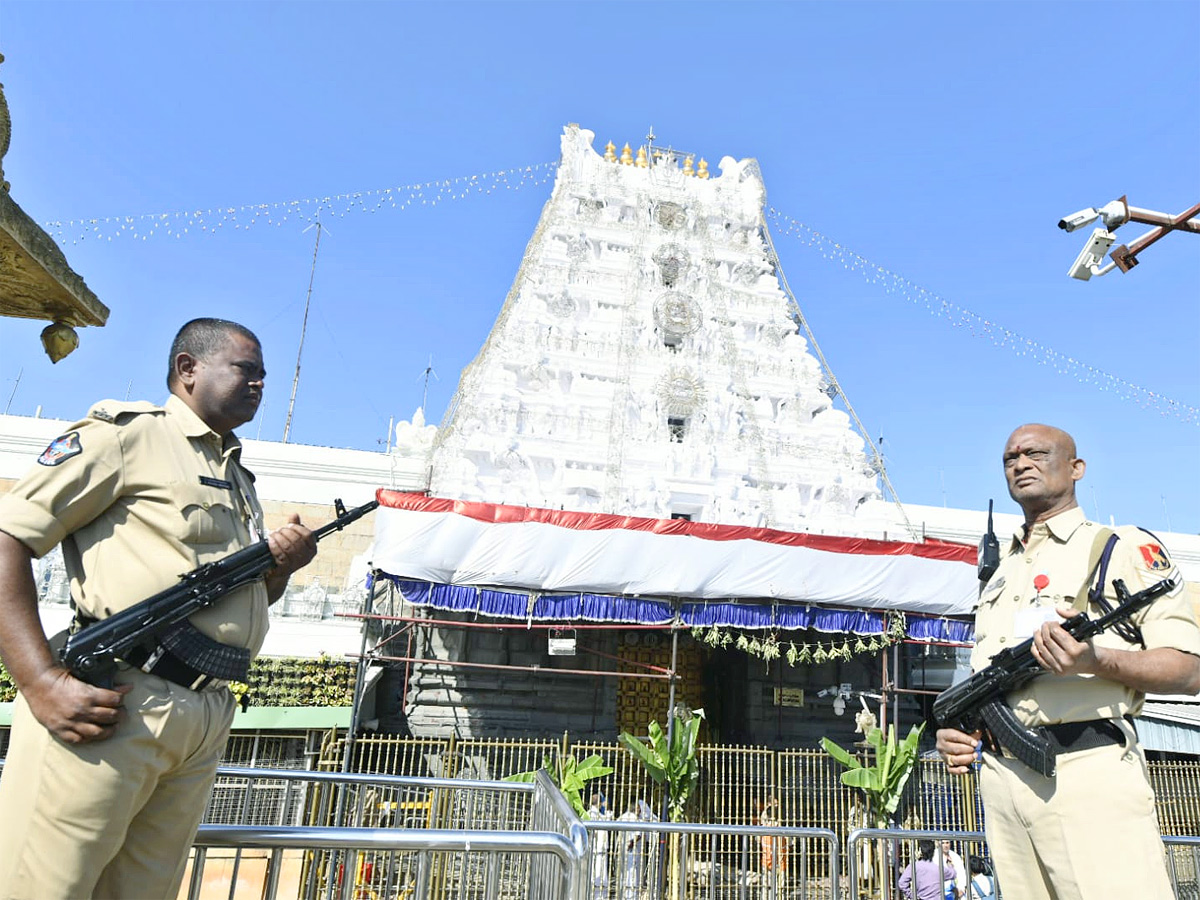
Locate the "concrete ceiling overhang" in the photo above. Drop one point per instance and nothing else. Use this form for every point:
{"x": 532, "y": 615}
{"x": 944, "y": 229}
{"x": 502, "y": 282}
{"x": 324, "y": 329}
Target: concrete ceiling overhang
{"x": 36, "y": 282}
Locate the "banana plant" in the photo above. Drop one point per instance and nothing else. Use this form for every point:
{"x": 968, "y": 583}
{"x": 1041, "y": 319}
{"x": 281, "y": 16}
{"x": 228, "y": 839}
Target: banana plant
{"x": 569, "y": 776}
{"x": 672, "y": 765}
{"x": 883, "y": 783}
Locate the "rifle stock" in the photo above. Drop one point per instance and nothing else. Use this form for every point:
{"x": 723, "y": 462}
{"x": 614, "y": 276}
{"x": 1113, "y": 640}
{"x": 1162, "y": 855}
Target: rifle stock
{"x": 91, "y": 654}
{"x": 979, "y": 701}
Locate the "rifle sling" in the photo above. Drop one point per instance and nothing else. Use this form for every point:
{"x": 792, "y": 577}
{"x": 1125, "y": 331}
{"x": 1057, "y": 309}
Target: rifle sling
{"x": 1092, "y": 591}
{"x": 1098, "y": 558}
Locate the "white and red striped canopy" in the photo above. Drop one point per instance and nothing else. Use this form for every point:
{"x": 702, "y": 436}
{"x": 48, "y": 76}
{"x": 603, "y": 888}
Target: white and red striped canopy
{"x": 484, "y": 544}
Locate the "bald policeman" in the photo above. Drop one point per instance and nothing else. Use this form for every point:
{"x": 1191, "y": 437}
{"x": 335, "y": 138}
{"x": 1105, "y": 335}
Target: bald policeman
{"x": 103, "y": 790}
{"x": 1089, "y": 832}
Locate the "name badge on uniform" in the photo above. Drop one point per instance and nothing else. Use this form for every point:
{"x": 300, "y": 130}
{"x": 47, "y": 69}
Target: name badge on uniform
{"x": 1029, "y": 620}
{"x": 209, "y": 481}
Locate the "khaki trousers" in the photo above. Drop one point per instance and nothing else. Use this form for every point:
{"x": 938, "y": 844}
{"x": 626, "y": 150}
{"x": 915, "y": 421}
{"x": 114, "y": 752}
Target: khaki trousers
{"x": 1088, "y": 833}
{"x": 112, "y": 819}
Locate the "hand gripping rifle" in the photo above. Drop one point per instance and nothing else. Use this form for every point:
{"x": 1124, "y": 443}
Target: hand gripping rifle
{"x": 91, "y": 653}
{"x": 979, "y": 701}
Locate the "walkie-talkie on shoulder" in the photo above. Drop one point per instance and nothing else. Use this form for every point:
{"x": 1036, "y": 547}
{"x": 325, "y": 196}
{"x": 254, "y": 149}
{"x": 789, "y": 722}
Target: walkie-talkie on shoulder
{"x": 989, "y": 551}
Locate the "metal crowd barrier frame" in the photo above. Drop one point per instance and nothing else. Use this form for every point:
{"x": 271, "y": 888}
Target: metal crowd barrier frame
{"x": 885, "y": 881}
{"x": 1182, "y": 855}
{"x": 491, "y": 831}
{"x": 692, "y": 866}
{"x": 1183, "y": 866}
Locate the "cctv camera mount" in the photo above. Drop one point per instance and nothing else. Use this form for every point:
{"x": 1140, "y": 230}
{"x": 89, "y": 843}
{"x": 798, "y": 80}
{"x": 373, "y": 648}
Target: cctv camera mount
{"x": 1113, "y": 215}
{"x": 1087, "y": 263}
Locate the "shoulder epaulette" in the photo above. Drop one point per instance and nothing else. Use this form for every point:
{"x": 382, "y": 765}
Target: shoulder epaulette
{"x": 113, "y": 410}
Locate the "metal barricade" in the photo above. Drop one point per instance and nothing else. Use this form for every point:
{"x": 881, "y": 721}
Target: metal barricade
{"x": 310, "y": 835}
{"x": 878, "y": 857}
{"x": 1183, "y": 866}
{"x": 639, "y": 860}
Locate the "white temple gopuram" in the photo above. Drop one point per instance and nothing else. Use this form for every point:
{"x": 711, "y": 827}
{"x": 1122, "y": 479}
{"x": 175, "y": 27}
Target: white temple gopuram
{"x": 647, "y": 361}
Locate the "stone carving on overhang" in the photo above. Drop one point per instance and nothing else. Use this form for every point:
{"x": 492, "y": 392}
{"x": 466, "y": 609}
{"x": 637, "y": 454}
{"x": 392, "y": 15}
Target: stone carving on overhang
{"x": 676, "y": 314}
{"x": 681, "y": 391}
{"x": 578, "y": 248}
{"x": 672, "y": 261}
{"x": 589, "y": 208}
{"x": 746, "y": 273}
{"x": 776, "y": 333}
{"x": 562, "y": 304}
{"x": 671, "y": 216}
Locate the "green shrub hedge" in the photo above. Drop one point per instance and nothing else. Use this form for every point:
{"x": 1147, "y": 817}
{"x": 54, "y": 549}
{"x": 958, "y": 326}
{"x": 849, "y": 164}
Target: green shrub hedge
{"x": 288, "y": 681}
{"x": 283, "y": 681}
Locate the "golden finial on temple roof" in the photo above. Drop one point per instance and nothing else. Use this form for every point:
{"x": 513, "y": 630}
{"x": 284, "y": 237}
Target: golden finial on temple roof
{"x": 642, "y": 162}
{"x": 626, "y": 156}
{"x": 702, "y": 170}
{"x": 687, "y": 166}
{"x": 610, "y": 152}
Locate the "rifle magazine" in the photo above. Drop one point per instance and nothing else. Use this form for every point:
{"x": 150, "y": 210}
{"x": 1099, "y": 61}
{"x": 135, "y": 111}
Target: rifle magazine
{"x": 204, "y": 654}
{"x": 1031, "y": 746}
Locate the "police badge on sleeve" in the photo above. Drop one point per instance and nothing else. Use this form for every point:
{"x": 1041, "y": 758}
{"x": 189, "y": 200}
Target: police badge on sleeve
{"x": 60, "y": 449}
{"x": 1154, "y": 557}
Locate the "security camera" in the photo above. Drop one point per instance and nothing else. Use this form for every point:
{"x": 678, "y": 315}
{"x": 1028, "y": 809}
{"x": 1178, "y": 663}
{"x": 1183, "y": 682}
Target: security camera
{"x": 1079, "y": 219}
{"x": 1114, "y": 214}
{"x": 1093, "y": 252}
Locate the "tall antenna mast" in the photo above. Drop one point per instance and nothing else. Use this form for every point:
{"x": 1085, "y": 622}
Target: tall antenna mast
{"x": 17, "y": 385}
{"x": 425, "y": 390}
{"x": 287, "y": 425}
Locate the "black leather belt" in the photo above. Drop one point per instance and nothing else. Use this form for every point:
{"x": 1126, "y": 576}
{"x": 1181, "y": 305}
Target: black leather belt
{"x": 1073, "y": 736}
{"x": 169, "y": 666}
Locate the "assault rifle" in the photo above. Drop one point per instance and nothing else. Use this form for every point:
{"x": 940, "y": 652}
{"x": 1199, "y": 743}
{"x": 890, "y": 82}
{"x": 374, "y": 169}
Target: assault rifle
{"x": 91, "y": 653}
{"x": 979, "y": 701}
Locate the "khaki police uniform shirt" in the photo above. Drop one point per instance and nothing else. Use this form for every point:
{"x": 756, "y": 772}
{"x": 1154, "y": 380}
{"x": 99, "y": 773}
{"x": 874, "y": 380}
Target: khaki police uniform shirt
{"x": 138, "y": 495}
{"x": 1011, "y": 608}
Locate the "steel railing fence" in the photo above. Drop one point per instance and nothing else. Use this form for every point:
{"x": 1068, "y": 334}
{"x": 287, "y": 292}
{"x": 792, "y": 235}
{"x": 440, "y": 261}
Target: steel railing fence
{"x": 420, "y": 837}
{"x": 639, "y": 860}
{"x": 1183, "y": 865}
{"x": 878, "y": 856}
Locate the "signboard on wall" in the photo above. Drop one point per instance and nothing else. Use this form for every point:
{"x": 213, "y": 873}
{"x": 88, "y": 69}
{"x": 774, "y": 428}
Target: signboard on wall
{"x": 562, "y": 642}
{"x": 789, "y": 696}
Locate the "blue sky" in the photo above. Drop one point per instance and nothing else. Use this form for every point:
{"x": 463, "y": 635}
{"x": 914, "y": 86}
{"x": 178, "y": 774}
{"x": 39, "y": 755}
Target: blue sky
{"x": 941, "y": 142}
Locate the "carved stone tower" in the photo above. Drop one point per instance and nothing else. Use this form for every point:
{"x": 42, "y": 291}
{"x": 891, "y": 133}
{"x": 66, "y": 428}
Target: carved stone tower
{"x": 647, "y": 361}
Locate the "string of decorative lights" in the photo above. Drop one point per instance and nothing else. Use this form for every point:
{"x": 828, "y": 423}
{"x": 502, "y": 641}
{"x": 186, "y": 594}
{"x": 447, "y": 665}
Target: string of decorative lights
{"x": 431, "y": 193}
{"x": 979, "y": 326}
{"x": 177, "y": 224}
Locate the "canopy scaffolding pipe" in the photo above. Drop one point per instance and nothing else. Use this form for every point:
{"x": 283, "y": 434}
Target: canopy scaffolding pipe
{"x": 533, "y": 668}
